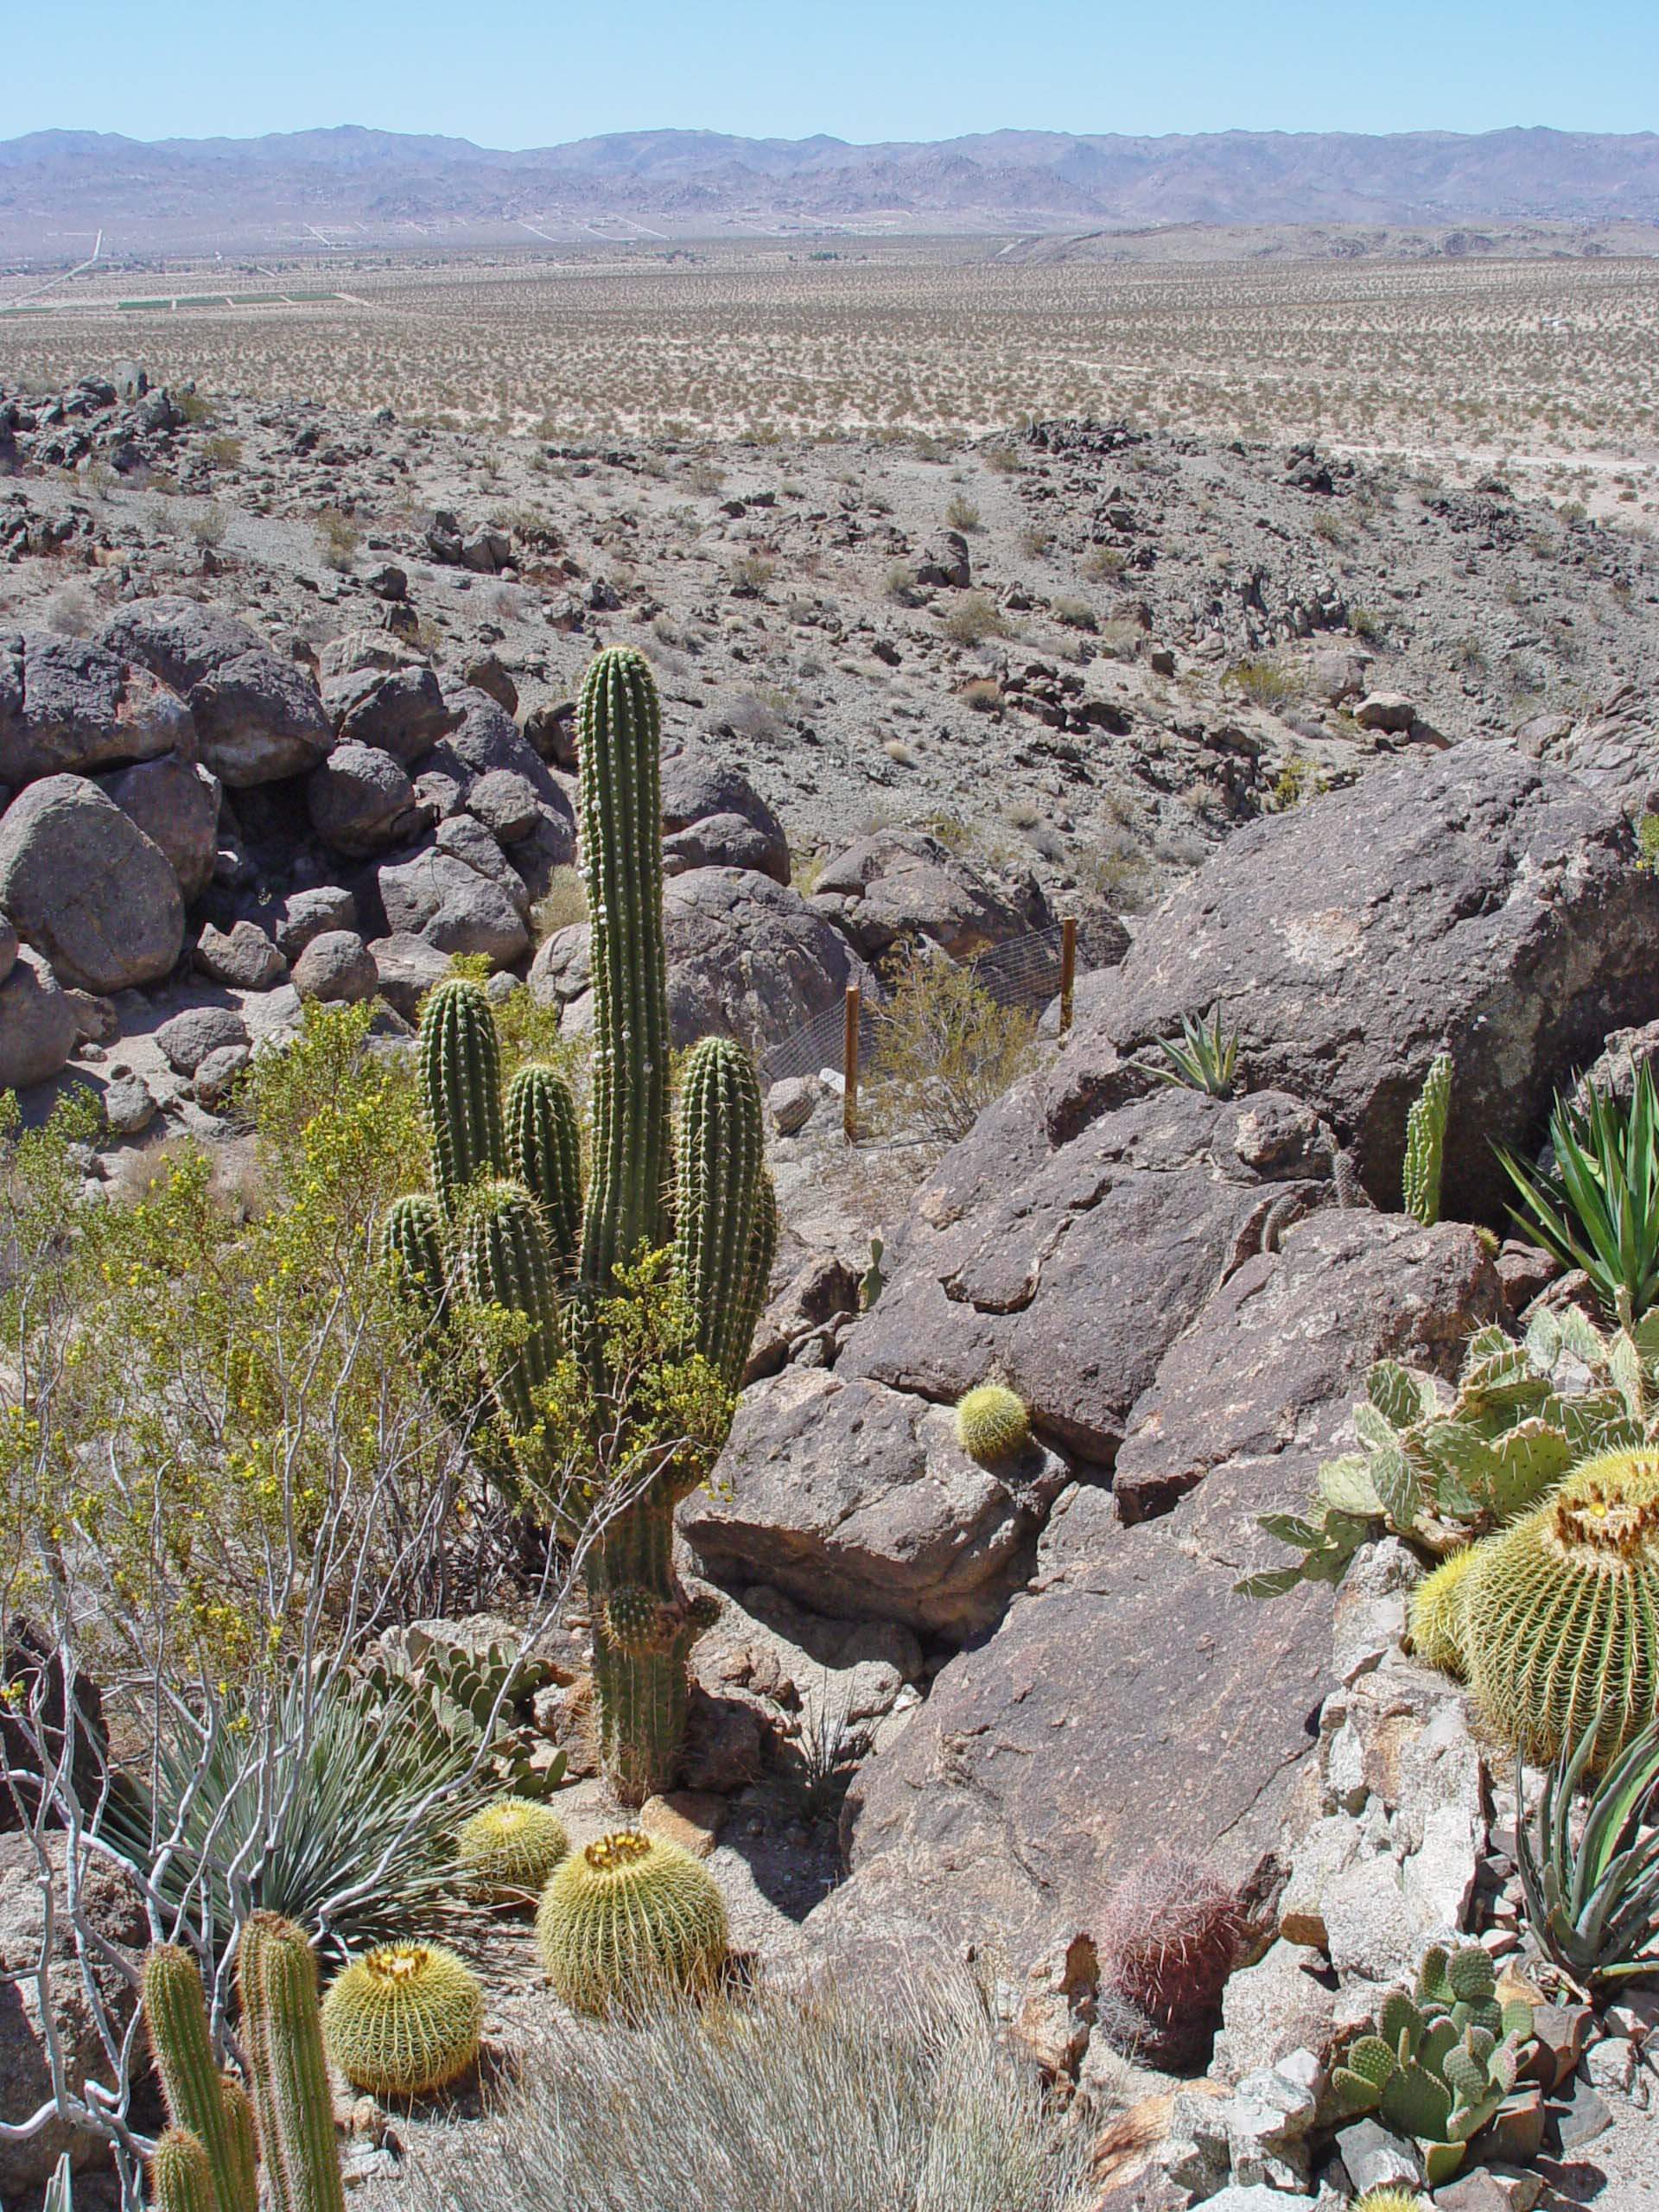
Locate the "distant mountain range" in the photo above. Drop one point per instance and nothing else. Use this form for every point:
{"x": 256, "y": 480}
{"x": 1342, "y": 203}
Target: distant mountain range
{"x": 384, "y": 188}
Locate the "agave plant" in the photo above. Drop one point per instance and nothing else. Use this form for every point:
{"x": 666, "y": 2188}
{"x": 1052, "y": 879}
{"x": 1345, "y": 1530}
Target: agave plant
{"x": 1592, "y": 1898}
{"x": 1203, "y": 1056}
{"x": 1597, "y": 1206}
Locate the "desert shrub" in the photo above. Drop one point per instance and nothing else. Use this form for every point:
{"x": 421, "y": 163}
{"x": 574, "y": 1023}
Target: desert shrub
{"x": 339, "y": 537}
{"x": 825, "y": 2106}
{"x": 193, "y": 405}
{"x": 1035, "y": 540}
{"x": 564, "y": 901}
{"x": 1075, "y": 614}
{"x": 961, "y": 513}
{"x": 983, "y": 694}
{"x": 1102, "y": 562}
{"x": 1263, "y": 683}
{"x": 945, "y": 1052}
{"x": 752, "y": 572}
{"x": 900, "y": 583}
{"x": 222, "y": 451}
{"x": 210, "y": 526}
{"x": 973, "y": 618}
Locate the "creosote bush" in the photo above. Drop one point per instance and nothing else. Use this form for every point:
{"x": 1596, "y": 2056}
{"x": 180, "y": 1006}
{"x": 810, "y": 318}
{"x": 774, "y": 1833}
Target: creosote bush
{"x": 944, "y": 1051}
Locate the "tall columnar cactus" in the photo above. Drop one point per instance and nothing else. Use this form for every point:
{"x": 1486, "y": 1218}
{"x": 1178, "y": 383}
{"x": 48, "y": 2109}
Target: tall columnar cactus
{"x": 1426, "y": 1141}
{"x": 282, "y": 2028}
{"x": 206, "y": 2162}
{"x": 175, "y": 2012}
{"x": 509, "y": 1226}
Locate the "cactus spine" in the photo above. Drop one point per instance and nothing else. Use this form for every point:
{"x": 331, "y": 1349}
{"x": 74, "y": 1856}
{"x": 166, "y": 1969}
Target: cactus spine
{"x": 181, "y": 2179}
{"x": 1426, "y": 1141}
{"x": 541, "y": 1248}
{"x": 282, "y": 2025}
{"x": 405, "y": 2020}
{"x": 206, "y": 2162}
{"x": 175, "y": 2012}
{"x": 627, "y": 1918}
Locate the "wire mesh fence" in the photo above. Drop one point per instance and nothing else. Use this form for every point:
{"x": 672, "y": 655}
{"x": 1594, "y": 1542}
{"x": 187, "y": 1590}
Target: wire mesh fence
{"x": 1029, "y": 972}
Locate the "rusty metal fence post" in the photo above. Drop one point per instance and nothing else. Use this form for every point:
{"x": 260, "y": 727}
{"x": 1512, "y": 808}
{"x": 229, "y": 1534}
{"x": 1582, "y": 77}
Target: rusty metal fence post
{"x": 1068, "y": 967}
{"x": 849, "y": 1066}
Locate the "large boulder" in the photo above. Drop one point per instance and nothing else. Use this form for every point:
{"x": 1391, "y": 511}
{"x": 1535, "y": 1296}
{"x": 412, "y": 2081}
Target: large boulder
{"x": 175, "y": 803}
{"x": 68, "y": 2019}
{"x": 1471, "y": 900}
{"x": 1070, "y": 1272}
{"x": 1133, "y": 1701}
{"x": 257, "y": 717}
{"x": 903, "y": 886}
{"x": 67, "y": 705}
{"x": 360, "y": 800}
{"x": 400, "y": 709}
{"x": 82, "y": 882}
{"x": 459, "y": 893}
{"x": 38, "y": 1029}
{"x": 746, "y": 958}
{"x": 705, "y": 793}
{"x": 859, "y": 1501}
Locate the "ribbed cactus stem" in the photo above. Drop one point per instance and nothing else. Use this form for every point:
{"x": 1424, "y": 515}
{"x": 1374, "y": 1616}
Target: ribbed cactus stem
{"x": 640, "y": 1690}
{"x": 412, "y": 1248}
{"x": 619, "y": 734}
{"x": 175, "y": 2013}
{"x": 181, "y": 2178}
{"x": 239, "y": 2120}
{"x": 506, "y": 1262}
{"x": 720, "y": 1158}
{"x": 544, "y": 1148}
{"x": 1425, "y": 1142}
{"x": 461, "y": 1089}
{"x": 763, "y": 1250}
{"x": 281, "y": 2023}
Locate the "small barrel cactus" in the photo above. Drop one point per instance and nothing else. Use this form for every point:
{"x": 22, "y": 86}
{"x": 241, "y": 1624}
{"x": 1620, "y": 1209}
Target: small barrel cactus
{"x": 1392, "y": 2200}
{"x": 993, "y": 1424}
{"x": 511, "y": 1846}
{"x": 630, "y": 1916}
{"x": 1560, "y": 1612}
{"x": 404, "y": 2020}
{"x": 1436, "y": 1613}
{"x": 1170, "y": 1935}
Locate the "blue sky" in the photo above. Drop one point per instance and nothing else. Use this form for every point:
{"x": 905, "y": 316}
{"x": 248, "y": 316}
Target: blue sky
{"x": 507, "y": 73}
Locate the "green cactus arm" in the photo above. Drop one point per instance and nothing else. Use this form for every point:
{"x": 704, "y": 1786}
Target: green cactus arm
{"x": 506, "y": 1262}
{"x": 181, "y": 2178}
{"x": 1426, "y": 1141}
{"x": 756, "y": 1289}
{"x": 719, "y": 1161}
{"x": 411, "y": 1247}
{"x": 276, "y": 1980}
{"x": 1416, "y": 2102}
{"x": 619, "y": 735}
{"x": 239, "y": 2120}
{"x": 544, "y": 1150}
{"x": 175, "y": 2014}
{"x": 461, "y": 1089}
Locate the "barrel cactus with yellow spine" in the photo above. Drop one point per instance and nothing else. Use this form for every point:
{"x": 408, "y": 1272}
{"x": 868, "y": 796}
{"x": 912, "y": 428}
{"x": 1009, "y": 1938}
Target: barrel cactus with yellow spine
{"x": 404, "y": 2019}
{"x": 630, "y": 1917}
{"x": 1560, "y": 1612}
{"x": 1435, "y": 1614}
{"x": 511, "y": 1846}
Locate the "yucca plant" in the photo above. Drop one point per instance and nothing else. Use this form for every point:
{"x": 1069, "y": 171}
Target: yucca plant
{"x": 1205, "y": 1056}
{"x": 296, "y": 1815}
{"x": 1592, "y": 1897}
{"x": 1597, "y": 1206}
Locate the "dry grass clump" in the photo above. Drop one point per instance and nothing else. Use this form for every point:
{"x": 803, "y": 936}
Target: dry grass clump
{"x": 973, "y": 618}
{"x": 338, "y": 535}
{"x": 823, "y": 2105}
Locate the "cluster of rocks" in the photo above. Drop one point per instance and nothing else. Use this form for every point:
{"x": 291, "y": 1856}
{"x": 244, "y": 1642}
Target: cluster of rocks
{"x": 180, "y": 801}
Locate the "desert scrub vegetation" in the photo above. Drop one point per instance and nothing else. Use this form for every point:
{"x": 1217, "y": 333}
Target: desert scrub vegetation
{"x": 946, "y": 1049}
{"x": 1264, "y": 682}
{"x": 824, "y": 2105}
{"x": 338, "y": 535}
{"x": 972, "y": 618}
